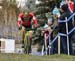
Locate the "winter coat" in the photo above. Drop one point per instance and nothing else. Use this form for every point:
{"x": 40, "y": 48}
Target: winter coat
{"x": 62, "y": 26}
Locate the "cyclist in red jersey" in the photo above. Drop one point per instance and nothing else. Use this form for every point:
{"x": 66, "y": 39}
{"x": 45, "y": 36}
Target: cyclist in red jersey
{"x": 25, "y": 23}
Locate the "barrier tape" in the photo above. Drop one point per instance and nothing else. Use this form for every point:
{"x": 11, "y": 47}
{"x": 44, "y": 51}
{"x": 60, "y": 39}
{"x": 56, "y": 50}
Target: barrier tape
{"x": 61, "y": 34}
{"x": 71, "y": 31}
{"x": 60, "y": 21}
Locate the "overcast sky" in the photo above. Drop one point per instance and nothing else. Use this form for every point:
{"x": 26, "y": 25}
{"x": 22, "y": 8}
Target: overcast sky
{"x": 21, "y": 3}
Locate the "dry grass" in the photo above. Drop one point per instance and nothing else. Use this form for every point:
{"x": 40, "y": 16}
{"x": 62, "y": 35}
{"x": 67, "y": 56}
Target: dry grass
{"x": 23, "y": 57}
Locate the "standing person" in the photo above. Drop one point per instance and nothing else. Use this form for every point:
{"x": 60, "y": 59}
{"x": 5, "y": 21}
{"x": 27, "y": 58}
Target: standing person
{"x": 62, "y": 29}
{"x": 70, "y": 5}
{"x": 25, "y": 22}
{"x": 46, "y": 32}
{"x": 74, "y": 12}
{"x": 62, "y": 2}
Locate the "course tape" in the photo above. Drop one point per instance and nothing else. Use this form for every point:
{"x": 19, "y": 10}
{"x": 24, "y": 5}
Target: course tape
{"x": 61, "y": 21}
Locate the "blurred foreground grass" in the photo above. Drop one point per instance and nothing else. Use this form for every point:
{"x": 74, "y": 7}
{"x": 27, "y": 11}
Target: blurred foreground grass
{"x": 23, "y": 57}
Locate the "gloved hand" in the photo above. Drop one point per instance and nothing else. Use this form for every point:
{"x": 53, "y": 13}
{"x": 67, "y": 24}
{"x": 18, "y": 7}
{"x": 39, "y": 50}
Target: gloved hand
{"x": 20, "y": 27}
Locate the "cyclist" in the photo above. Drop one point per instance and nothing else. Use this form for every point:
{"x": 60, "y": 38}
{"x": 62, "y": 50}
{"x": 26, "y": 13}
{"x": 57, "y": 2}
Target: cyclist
{"x": 26, "y": 20}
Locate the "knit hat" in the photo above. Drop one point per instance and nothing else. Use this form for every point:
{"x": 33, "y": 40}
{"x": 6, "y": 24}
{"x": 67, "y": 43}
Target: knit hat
{"x": 64, "y": 7}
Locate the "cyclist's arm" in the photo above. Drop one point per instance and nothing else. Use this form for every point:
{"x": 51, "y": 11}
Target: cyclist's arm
{"x": 35, "y": 21}
{"x": 20, "y": 16}
{"x": 19, "y": 22}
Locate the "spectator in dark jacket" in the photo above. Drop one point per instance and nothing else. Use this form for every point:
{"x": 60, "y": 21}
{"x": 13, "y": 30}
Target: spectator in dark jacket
{"x": 62, "y": 29}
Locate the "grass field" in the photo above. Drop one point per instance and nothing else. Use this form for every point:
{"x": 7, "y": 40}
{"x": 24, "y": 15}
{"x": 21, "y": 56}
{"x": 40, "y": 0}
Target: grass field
{"x": 23, "y": 57}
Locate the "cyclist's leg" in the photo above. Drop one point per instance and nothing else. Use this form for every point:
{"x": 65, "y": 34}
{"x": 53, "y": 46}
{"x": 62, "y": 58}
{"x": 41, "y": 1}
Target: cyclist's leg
{"x": 23, "y": 35}
{"x": 30, "y": 40}
{"x": 27, "y": 42}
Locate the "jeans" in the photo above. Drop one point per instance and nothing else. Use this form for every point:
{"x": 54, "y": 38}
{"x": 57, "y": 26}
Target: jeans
{"x": 64, "y": 45}
{"x": 55, "y": 47}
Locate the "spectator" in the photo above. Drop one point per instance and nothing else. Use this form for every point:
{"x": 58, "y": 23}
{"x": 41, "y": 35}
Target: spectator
{"x": 62, "y": 2}
{"x": 62, "y": 29}
{"x": 56, "y": 12}
{"x": 71, "y": 5}
{"x": 47, "y": 31}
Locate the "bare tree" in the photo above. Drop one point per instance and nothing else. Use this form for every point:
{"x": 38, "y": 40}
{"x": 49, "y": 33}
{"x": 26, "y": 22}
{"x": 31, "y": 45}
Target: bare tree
{"x": 8, "y": 18}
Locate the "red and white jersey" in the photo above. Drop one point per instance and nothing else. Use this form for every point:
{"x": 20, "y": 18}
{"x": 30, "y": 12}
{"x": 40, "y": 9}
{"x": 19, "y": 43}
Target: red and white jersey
{"x": 27, "y": 22}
